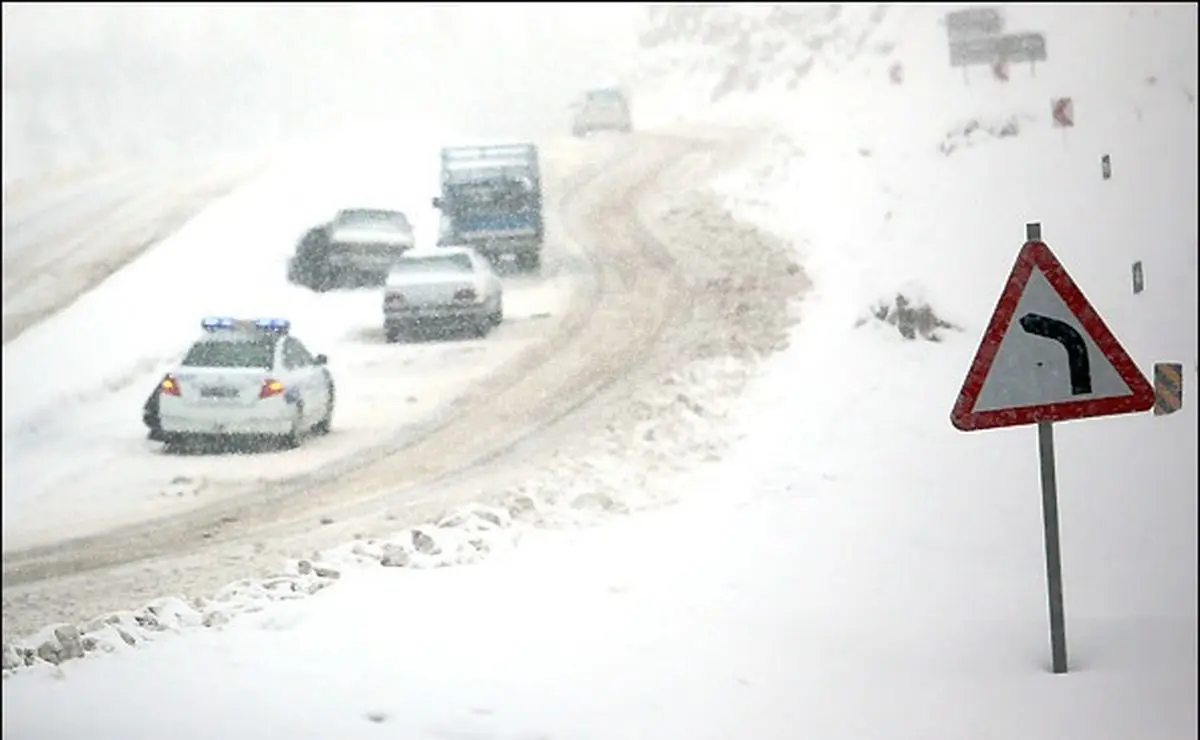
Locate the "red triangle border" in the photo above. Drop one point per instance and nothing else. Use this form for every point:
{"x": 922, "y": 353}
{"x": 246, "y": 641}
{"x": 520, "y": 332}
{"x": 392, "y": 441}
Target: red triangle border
{"x": 1037, "y": 254}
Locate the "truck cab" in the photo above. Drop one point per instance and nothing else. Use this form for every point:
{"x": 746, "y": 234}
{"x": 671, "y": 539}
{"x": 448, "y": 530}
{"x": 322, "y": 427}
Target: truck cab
{"x": 491, "y": 200}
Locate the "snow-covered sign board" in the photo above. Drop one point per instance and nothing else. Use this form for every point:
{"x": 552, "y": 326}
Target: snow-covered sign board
{"x": 1022, "y": 47}
{"x": 969, "y": 52}
{"x": 1062, "y": 110}
{"x": 977, "y": 21}
{"x": 1017, "y": 47}
{"x": 1047, "y": 355}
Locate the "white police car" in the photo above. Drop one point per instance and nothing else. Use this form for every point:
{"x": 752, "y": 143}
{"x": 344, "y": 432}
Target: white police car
{"x": 246, "y": 377}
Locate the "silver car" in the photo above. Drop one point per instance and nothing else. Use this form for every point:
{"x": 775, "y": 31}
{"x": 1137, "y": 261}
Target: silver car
{"x": 604, "y": 109}
{"x": 368, "y": 241}
{"x": 444, "y": 287}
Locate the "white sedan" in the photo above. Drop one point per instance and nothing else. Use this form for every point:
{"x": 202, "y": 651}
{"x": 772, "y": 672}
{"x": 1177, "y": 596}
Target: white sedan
{"x": 246, "y": 377}
{"x": 446, "y": 286}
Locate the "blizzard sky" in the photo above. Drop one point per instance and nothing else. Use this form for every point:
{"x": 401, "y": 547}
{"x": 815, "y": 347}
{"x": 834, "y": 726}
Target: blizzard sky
{"x": 488, "y": 69}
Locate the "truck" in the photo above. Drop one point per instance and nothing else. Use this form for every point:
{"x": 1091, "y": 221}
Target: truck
{"x": 491, "y": 200}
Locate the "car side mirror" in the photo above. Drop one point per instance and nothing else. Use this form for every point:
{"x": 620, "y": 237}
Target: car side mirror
{"x": 437, "y": 203}
{"x": 320, "y": 360}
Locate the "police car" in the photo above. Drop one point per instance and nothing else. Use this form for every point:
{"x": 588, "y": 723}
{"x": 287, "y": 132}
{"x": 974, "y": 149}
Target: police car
{"x": 245, "y": 378}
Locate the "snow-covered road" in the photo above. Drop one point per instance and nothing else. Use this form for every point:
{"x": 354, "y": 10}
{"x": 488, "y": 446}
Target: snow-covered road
{"x": 118, "y": 521}
{"x": 84, "y": 395}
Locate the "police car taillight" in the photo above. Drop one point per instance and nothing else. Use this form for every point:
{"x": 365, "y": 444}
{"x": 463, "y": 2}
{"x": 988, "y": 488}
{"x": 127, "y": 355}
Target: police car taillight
{"x": 169, "y": 386}
{"x": 271, "y": 387}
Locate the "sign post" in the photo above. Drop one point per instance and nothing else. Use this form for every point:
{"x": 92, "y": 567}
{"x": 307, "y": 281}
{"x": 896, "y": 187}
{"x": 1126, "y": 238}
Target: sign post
{"x": 1054, "y": 579}
{"x": 1047, "y": 356}
{"x": 1049, "y": 479}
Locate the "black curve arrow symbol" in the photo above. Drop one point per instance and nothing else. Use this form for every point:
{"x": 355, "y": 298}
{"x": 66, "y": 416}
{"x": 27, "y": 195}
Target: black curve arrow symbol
{"x": 1078, "y": 362}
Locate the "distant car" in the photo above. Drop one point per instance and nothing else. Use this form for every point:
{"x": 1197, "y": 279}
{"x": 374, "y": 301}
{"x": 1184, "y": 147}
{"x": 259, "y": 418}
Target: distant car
{"x": 449, "y": 286}
{"x": 357, "y": 247}
{"x": 604, "y": 109}
{"x": 243, "y": 378}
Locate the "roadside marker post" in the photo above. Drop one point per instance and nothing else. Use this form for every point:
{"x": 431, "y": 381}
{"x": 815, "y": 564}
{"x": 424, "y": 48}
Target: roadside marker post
{"x": 1062, "y": 113}
{"x": 1047, "y": 356}
{"x": 1168, "y": 387}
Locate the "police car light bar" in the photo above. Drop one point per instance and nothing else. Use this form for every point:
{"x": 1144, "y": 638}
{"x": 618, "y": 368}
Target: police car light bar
{"x": 214, "y": 323}
{"x": 279, "y": 325}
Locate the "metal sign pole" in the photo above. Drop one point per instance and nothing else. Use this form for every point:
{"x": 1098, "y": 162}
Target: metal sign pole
{"x": 1054, "y": 580}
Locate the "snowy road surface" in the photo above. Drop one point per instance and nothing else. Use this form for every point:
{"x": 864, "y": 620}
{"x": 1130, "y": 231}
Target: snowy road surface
{"x": 113, "y": 476}
{"x": 222, "y": 518}
{"x": 232, "y": 260}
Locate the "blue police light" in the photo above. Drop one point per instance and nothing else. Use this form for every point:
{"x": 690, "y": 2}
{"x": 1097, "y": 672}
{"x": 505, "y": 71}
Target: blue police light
{"x": 279, "y": 325}
{"x": 212, "y": 323}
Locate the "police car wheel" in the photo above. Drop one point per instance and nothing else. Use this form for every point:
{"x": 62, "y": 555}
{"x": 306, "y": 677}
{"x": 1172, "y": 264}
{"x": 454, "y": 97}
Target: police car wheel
{"x": 324, "y": 425}
{"x": 177, "y": 443}
{"x": 292, "y": 439}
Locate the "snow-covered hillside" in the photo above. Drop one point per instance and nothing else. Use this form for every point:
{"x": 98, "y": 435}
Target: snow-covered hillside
{"x": 855, "y": 567}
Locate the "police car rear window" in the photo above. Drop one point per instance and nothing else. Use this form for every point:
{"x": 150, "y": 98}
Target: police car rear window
{"x": 257, "y": 353}
{"x": 605, "y": 96}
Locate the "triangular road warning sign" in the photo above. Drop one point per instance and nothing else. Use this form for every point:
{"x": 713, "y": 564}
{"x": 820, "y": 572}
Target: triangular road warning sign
{"x": 1046, "y": 355}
